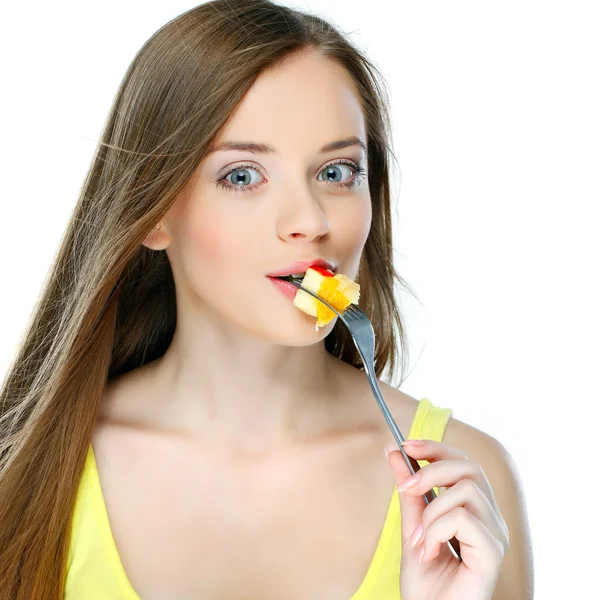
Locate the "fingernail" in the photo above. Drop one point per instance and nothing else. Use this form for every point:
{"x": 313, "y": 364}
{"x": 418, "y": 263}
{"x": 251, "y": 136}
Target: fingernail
{"x": 416, "y": 536}
{"x": 390, "y": 448}
{"x": 413, "y": 442}
{"x": 407, "y": 483}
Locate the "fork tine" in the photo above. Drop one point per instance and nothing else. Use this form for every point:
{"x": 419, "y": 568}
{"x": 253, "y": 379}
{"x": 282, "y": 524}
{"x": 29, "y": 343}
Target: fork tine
{"x": 354, "y": 313}
{"x": 354, "y": 310}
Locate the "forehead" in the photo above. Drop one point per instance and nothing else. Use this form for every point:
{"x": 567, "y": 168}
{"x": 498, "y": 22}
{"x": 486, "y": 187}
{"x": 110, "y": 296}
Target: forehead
{"x": 303, "y": 102}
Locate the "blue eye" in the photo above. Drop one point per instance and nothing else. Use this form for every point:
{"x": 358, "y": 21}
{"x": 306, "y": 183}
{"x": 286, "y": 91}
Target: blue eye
{"x": 242, "y": 180}
{"x": 333, "y": 171}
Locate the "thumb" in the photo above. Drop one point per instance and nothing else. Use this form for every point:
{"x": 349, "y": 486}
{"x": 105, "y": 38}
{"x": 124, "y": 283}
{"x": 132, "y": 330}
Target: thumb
{"x": 411, "y": 505}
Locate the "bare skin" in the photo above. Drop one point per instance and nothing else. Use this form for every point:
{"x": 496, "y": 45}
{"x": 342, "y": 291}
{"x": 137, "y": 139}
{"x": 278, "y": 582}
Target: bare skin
{"x": 247, "y": 463}
{"x": 192, "y": 521}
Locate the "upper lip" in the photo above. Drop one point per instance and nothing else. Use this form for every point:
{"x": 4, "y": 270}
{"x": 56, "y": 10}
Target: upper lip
{"x": 300, "y": 266}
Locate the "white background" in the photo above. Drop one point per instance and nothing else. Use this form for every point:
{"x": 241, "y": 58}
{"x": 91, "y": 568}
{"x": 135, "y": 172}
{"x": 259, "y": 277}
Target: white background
{"x": 497, "y": 132}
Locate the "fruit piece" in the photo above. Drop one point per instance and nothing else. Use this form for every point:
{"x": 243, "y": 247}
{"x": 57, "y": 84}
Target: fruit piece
{"x": 311, "y": 281}
{"x": 338, "y": 290}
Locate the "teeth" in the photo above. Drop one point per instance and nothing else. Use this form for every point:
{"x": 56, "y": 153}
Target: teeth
{"x": 290, "y": 277}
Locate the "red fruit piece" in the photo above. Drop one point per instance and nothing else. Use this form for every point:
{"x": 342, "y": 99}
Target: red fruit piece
{"x": 324, "y": 272}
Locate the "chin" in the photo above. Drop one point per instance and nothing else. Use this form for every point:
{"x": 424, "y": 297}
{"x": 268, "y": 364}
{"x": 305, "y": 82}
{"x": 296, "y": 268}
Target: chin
{"x": 292, "y": 330}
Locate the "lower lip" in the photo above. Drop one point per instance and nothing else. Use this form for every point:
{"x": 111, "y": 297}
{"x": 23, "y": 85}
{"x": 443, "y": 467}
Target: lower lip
{"x": 285, "y": 287}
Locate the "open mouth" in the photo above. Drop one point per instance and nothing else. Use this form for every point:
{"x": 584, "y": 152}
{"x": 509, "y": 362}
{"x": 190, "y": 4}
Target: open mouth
{"x": 291, "y": 277}
{"x": 299, "y": 277}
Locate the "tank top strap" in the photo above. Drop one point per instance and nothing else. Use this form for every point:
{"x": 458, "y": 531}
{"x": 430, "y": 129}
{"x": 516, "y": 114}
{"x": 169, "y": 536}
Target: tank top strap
{"x": 429, "y": 422}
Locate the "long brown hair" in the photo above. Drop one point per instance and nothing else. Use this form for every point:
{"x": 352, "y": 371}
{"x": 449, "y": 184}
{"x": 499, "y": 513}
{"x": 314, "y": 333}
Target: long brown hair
{"x": 108, "y": 305}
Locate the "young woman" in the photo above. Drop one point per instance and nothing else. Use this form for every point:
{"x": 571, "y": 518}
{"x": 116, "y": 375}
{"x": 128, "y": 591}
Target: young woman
{"x": 173, "y": 427}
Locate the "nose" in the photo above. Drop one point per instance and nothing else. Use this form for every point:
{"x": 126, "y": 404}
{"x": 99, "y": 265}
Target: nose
{"x": 301, "y": 215}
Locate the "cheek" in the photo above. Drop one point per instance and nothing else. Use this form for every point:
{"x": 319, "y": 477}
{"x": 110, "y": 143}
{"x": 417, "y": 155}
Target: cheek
{"x": 211, "y": 255}
{"x": 365, "y": 220}
{"x": 216, "y": 238}
{"x": 207, "y": 240}
{"x": 353, "y": 228}
{"x": 356, "y": 224}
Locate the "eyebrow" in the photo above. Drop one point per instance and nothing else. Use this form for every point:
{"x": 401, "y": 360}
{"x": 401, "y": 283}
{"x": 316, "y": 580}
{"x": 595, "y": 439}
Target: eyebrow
{"x": 257, "y": 148}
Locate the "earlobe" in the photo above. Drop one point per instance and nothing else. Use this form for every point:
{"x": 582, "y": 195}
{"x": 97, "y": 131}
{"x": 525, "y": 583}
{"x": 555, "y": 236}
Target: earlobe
{"x": 158, "y": 238}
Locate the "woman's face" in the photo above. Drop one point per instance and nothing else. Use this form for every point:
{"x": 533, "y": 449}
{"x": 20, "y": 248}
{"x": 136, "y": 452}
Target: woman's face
{"x": 244, "y": 214}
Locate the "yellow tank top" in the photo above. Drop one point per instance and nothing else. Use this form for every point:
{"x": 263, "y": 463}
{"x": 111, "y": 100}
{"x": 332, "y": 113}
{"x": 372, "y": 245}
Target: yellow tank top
{"x": 95, "y": 572}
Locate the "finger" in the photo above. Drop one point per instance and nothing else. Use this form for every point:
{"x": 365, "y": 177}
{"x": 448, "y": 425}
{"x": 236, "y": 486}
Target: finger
{"x": 479, "y": 549}
{"x": 467, "y": 494}
{"x": 411, "y": 512}
{"x": 430, "y": 450}
{"x": 411, "y": 506}
{"x": 433, "y": 450}
{"x": 446, "y": 473}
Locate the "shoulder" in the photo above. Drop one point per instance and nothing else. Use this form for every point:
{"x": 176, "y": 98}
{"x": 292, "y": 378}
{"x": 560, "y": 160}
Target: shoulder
{"x": 488, "y": 452}
{"x": 470, "y": 440}
{"x": 502, "y": 473}
{"x": 477, "y": 445}
{"x": 493, "y": 457}
{"x": 458, "y": 434}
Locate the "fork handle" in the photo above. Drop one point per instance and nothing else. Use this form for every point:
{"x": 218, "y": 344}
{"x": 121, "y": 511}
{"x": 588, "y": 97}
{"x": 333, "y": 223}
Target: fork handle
{"x": 412, "y": 463}
{"x": 366, "y": 352}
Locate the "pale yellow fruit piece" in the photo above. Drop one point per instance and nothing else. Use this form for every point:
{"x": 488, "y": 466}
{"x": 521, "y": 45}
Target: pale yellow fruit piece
{"x": 339, "y": 291}
{"x": 305, "y": 302}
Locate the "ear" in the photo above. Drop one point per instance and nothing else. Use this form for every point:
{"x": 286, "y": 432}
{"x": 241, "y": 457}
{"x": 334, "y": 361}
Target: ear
{"x": 159, "y": 238}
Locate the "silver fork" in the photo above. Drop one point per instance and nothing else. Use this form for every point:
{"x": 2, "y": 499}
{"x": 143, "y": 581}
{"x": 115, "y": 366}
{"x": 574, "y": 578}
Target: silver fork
{"x": 362, "y": 333}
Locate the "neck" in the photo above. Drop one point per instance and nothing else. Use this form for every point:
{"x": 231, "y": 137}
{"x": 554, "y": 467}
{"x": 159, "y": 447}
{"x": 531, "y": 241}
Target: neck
{"x": 242, "y": 393}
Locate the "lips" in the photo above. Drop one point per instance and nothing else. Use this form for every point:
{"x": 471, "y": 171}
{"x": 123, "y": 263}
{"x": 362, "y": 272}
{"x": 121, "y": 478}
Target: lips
{"x": 301, "y": 266}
